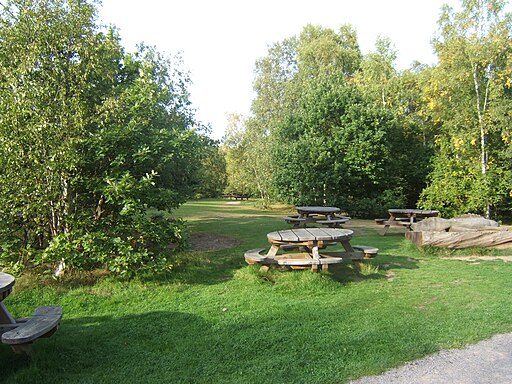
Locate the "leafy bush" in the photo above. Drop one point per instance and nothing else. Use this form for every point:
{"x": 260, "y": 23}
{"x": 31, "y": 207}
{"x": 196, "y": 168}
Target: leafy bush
{"x": 90, "y": 139}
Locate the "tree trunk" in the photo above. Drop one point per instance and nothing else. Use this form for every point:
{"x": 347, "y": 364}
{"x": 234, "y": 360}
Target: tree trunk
{"x": 481, "y": 107}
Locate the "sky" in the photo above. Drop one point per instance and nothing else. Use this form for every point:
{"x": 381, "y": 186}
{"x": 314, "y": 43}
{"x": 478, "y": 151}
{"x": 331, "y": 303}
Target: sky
{"x": 220, "y": 40}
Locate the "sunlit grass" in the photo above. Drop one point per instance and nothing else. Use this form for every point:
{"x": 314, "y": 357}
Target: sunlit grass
{"x": 215, "y": 319}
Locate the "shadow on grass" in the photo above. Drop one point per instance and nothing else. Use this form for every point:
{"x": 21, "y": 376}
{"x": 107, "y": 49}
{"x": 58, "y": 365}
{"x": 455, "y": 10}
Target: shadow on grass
{"x": 201, "y": 267}
{"x": 168, "y": 346}
{"x": 216, "y": 266}
{"x": 107, "y": 349}
{"x": 371, "y": 269}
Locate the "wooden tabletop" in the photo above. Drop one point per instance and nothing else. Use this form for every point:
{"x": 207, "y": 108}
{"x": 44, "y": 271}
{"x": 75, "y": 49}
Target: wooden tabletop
{"x": 422, "y": 212}
{"x": 318, "y": 210}
{"x": 6, "y": 282}
{"x": 310, "y": 234}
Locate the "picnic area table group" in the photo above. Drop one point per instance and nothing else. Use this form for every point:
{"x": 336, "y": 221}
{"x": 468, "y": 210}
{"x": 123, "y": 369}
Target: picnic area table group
{"x": 20, "y": 333}
{"x": 327, "y": 216}
{"x": 306, "y": 247}
{"x": 405, "y": 218}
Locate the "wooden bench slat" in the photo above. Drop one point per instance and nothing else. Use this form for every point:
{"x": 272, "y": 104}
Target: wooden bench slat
{"x": 327, "y": 234}
{"x": 346, "y": 256}
{"x": 44, "y": 321}
{"x": 306, "y": 262}
{"x": 332, "y": 221}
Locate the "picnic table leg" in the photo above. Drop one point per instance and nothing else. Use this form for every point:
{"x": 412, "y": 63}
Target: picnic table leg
{"x": 387, "y": 224}
{"x": 346, "y": 245}
{"x": 316, "y": 256}
{"x": 272, "y": 252}
{"x": 412, "y": 221}
{"x": 314, "y": 251}
{"x": 5, "y": 316}
{"x": 306, "y": 218}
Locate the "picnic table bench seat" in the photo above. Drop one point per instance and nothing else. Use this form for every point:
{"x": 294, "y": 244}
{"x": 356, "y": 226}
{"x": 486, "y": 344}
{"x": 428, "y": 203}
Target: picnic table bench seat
{"x": 295, "y": 219}
{"x": 296, "y": 260}
{"x": 334, "y": 222}
{"x": 369, "y": 252}
{"x": 398, "y": 223}
{"x": 254, "y": 256}
{"x": 404, "y": 222}
{"x": 43, "y": 323}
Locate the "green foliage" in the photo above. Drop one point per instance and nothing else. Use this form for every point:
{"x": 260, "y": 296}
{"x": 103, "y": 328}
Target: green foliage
{"x": 212, "y": 176}
{"x": 468, "y": 95}
{"x": 338, "y": 149}
{"x": 327, "y": 127}
{"x": 90, "y": 137}
{"x": 235, "y": 150}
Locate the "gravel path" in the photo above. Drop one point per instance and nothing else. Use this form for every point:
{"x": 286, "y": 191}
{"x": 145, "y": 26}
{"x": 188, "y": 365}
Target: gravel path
{"x": 489, "y": 361}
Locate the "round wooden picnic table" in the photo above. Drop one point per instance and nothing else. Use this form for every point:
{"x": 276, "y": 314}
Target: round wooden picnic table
{"x": 326, "y": 211}
{"x": 313, "y": 215}
{"x": 6, "y": 284}
{"x": 312, "y": 239}
{"x": 20, "y": 333}
{"x": 406, "y": 217}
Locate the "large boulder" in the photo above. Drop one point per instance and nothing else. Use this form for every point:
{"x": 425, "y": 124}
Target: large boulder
{"x": 462, "y": 223}
{"x": 432, "y": 224}
{"x": 473, "y": 222}
{"x": 460, "y": 232}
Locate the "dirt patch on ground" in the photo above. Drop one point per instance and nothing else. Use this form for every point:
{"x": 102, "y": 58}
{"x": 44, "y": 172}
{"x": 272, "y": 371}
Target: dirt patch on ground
{"x": 204, "y": 241}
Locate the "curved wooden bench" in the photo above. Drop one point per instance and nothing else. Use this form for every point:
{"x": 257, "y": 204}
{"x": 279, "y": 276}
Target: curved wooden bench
{"x": 292, "y": 260}
{"x": 43, "y": 323}
{"x": 369, "y": 252}
{"x": 295, "y": 219}
{"x": 254, "y": 256}
{"x": 335, "y": 222}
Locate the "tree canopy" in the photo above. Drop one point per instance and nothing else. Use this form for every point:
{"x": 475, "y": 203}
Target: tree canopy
{"x": 318, "y": 133}
{"x": 341, "y": 127}
{"x": 468, "y": 95}
{"x": 90, "y": 138}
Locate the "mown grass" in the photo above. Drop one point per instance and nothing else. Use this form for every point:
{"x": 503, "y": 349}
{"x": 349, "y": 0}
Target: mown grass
{"x": 215, "y": 319}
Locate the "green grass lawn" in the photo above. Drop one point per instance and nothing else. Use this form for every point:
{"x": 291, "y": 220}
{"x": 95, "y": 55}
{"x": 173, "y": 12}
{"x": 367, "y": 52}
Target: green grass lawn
{"x": 215, "y": 319}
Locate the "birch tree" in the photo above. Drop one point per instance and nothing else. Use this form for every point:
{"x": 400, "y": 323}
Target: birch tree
{"x": 468, "y": 91}
{"x": 90, "y": 137}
